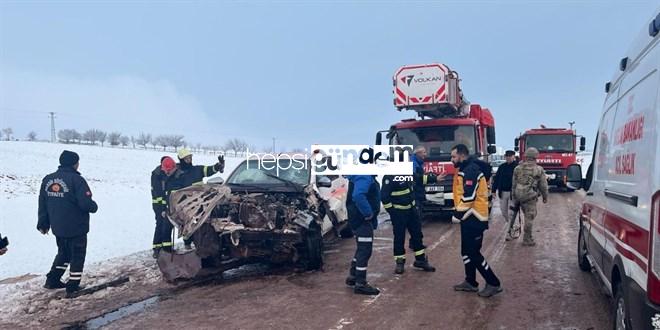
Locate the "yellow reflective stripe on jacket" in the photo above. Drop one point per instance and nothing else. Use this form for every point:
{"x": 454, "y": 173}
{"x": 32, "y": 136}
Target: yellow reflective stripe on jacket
{"x": 159, "y": 200}
{"x": 425, "y": 179}
{"x": 387, "y": 206}
{"x": 206, "y": 171}
{"x": 401, "y": 192}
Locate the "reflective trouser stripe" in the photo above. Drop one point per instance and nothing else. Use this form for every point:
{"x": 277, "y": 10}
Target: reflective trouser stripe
{"x": 403, "y": 257}
{"x": 365, "y": 239}
{"x": 419, "y": 253}
{"x": 466, "y": 260}
{"x": 402, "y": 207}
{"x": 361, "y": 269}
{"x": 155, "y": 246}
{"x": 167, "y": 244}
{"x": 61, "y": 267}
{"x": 401, "y": 192}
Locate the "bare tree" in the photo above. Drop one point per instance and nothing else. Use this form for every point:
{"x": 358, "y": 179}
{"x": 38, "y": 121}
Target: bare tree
{"x": 124, "y": 140}
{"x": 161, "y": 140}
{"x": 176, "y": 141}
{"x": 133, "y": 141}
{"x": 32, "y": 136}
{"x": 143, "y": 139}
{"x": 8, "y": 133}
{"x": 114, "y": 138}
{"x": 102, "y": 137}
{"x": 92, "y": 135}
{"x": 67, "y": 135}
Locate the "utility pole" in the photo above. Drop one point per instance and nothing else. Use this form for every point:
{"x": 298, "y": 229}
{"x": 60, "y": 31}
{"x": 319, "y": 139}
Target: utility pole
{"x": 52, "y": 126}
{"x": 274, "y": 144}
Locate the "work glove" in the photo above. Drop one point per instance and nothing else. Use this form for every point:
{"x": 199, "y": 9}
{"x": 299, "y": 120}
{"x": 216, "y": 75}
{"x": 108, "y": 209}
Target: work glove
{"x": 220, "y": 166}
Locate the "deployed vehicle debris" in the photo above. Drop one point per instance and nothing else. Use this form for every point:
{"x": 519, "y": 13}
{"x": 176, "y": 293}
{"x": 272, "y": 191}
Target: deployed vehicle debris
{"x": 279, "y": 215}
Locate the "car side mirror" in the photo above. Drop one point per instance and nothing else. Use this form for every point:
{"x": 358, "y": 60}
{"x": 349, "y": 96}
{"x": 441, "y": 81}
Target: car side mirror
{"x": 574, "y": 176}
{"x": 491, "y": 149}
{"x": 323, "y": 182}
{"x": 216, "y": 180}
{"x": 583, "y": 142}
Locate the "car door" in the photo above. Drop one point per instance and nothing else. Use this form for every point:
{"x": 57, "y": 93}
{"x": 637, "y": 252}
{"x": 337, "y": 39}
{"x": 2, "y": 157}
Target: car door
{"x": 594, "y": 206}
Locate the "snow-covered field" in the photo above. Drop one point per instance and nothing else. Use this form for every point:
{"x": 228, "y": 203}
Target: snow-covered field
{"x": 120, "y": 183}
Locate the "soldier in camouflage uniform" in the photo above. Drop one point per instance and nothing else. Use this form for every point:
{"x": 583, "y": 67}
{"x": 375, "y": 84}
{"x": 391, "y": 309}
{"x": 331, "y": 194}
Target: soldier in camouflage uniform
{"x": 529, "y": 181}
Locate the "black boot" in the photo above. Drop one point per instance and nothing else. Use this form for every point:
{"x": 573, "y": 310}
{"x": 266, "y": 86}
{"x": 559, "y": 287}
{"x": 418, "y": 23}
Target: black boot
{"x": 366, "y": 289}
{"x": 155, "y": 254}
{"x": 423, "y": 264}
{"x": 52, "y": 284}
{"x": 400, "y": 266}
{"x": 72, "y": 288}
{"x": 350, "y": 280}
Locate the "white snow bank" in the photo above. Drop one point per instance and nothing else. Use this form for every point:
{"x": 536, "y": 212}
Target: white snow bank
{"x": 120, "y": 183}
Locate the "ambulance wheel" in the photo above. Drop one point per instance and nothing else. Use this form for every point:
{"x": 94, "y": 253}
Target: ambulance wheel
{"x": 621, "y": 313}
{"x": 582, "y": 252}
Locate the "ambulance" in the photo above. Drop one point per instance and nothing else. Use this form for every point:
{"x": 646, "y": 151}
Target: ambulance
{"x": 619, "y": 225}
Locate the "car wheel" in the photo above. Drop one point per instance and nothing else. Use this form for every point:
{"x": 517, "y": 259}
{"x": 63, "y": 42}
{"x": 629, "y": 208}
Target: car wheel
{"x": 314, "y": 247}
{"x": 582, "y": 252}
{"x": 621, "y": 315}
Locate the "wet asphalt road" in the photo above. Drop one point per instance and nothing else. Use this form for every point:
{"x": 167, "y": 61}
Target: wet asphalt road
{"x": 543, "y": 287}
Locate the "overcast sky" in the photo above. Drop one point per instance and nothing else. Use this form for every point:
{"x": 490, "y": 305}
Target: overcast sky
{"x": 302, "y": 71}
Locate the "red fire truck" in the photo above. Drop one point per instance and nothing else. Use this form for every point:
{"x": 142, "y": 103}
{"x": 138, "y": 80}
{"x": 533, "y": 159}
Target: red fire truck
{"x": 444, "y": 119}
{"x": 557, "y": 150}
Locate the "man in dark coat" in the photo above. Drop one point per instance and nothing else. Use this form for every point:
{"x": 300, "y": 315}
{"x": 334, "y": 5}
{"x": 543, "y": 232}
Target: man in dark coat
{"x": 65, "y": 202}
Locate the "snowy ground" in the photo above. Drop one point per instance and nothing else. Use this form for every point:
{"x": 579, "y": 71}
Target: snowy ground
{"x": 120, "y": 183}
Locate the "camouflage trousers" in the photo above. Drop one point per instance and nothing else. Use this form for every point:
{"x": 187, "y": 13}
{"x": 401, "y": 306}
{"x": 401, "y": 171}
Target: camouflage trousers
{"x": 529, "y": 212}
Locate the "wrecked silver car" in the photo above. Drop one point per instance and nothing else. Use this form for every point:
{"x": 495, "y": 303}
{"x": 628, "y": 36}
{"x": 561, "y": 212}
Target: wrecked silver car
{"x": 279, "y": 215}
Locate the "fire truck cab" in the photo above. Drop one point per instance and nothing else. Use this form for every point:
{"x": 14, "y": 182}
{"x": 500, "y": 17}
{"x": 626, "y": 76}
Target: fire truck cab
{"x": 444, "y": 119}
{"x": 557, "y": 150}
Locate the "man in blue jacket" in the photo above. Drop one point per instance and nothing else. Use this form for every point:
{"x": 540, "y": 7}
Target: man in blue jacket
{"x": 421, "y": 179}
{"x": 363, "y": 206}
{"x": 65, "y": 202}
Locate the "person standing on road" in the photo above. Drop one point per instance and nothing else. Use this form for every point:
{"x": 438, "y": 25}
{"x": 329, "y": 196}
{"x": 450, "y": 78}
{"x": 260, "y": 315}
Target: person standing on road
{"x": 65, "y": 202}
{"x": 163, "y": 232}
{"x": 502, "y": 185}
{"x": 189, "y": 174}
{"x": 529, "y": 182}
{"x": 363, "y": 206}
{"x": 421, "y": 179}
{"x": 397, "y": 195}
{"x": 471, "y": 201}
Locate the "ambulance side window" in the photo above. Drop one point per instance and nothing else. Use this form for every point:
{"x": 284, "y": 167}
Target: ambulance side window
{"x": 603, "y": 145}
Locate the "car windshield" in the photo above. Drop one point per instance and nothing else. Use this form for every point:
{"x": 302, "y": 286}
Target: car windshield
{"x": 252, "y": 172}
{"x": 438, "y": 140}
{"x": 550, "y": 143}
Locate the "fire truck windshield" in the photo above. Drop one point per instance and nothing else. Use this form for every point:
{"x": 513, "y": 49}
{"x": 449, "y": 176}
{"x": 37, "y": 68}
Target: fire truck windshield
{"x": 550, "y": 143}
{"x": 438, "y": 140}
